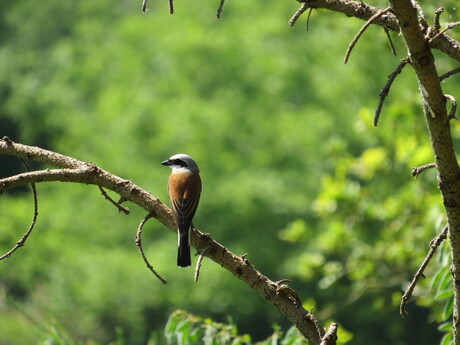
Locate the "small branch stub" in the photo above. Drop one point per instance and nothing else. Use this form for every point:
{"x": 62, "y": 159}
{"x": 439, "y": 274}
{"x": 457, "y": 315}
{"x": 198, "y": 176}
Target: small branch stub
{"x": 418, "y": 170}
{"x": 330, "y": 338}
{"x": 220, "y": 9}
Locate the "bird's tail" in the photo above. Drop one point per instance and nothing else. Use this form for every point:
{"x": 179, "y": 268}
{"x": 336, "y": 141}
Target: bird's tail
{"x": 183, "y": 253}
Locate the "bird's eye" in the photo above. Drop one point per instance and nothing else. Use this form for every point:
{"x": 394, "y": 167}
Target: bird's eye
{"x": 179, "y": 162}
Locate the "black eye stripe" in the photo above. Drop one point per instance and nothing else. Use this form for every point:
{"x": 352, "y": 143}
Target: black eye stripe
{"x": 179, "y": 162}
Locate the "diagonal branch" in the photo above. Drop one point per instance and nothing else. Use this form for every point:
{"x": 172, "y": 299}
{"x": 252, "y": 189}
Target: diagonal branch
{"x": 297, "y": 14}
{"x": 434, "y": 244}
{"x": 330, "y": 338}
{"x": 361, "y": 31}
{"x": 73, "y": 170}
{"x": 386, "y": 89}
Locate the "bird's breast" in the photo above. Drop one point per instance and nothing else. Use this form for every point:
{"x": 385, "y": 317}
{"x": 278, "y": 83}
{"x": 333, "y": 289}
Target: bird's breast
{"x": 184, "y": 185}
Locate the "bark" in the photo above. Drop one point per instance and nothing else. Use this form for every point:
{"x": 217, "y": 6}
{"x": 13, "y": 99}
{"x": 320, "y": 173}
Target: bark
{"x": 438, "y": 125}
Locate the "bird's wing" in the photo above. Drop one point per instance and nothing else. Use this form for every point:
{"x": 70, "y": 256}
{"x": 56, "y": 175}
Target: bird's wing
{"x": 184, "y": 209}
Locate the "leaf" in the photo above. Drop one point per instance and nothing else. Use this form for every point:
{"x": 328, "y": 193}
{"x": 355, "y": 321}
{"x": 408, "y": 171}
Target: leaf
{"x": 435, "y": 282}
{"x": 447, "y": 311}
{"x": 445, "y": 327}
{"x": 446, "y": 282}
{"x": 445, "y": 294}
{"x": 447, "y": 339}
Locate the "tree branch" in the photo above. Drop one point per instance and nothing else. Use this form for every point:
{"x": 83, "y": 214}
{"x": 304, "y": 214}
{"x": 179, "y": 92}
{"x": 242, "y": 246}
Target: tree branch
{"x": 73, "y": 170}
{"x": 434, "y": 105}
{"x": 364, "y": 12}
{"x": 138, "y": 242}
{"x": 418, "y": 170}
{"x": 330, "y": 338}
{"x": 23, "y": 239}
{"x": 386, "y": 89}
{"x": 434, "y": 244}
{"x": 361, "y": 31}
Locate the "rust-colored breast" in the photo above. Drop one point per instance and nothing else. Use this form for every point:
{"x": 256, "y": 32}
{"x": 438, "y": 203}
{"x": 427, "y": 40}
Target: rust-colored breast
{"x": 184, "y": 185}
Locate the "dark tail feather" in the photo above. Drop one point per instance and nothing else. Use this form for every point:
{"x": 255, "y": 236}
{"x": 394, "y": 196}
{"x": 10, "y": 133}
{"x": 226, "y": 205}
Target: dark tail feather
{"x": 183, "y": 253}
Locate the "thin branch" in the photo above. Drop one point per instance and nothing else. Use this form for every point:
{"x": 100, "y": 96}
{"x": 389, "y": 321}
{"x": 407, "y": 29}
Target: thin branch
{"x": 198, "y": 264}
{"x": 297, "y": 14}
{"x": 390, "y": 41}
{"x": 422, "y": 19}
{"x": 220, "y": 9}
{"x": 357, "y": 9}
{"x": 418, "y": 170}
{"x": 386, "y": 89}
{"x": 434, "y": 244}
{"x": 437, "y": 15}
{"x": 144, "y": 6}
{"x": 453, "y": 110}
{"x": 23, "y": 239}
{"x": 171, "y": 6}
{"x": 450, "y": 73}
{"x": 360, "y": 32}
{"x": 448, "y": 27}
{"x": 120, "y": 208}
{"x": 138, "y": 242}
{"x": 308, "y": 18}
{"x": 330, "y": 338}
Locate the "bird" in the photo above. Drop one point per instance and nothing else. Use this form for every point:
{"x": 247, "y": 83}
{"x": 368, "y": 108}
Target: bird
{"x": 184, "y": 190}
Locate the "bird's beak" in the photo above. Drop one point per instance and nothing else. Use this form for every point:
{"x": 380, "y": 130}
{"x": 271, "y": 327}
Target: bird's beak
{"x": 166, "y": 162}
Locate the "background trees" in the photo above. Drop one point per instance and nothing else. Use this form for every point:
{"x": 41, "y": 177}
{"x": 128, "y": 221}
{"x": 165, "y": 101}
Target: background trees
{"x": 282, "y": 132}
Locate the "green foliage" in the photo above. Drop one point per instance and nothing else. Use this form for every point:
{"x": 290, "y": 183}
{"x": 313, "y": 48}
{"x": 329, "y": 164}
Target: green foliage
{"x": 294, "y": 174}
{"x": 183, "y": 328}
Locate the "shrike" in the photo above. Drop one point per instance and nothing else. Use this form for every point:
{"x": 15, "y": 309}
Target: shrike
{"x": 184, "y": 189}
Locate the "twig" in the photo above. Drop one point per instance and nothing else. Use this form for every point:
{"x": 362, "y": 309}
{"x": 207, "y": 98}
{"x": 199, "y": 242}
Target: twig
{"x": 434, "y": 244}
{"x": 384, "y": 92}
{"x": 308, "y": 18}
{"x": 297, "y": 14}
{"x": 450, "y": 73}
{"x": 437, "y": 14}
{"x": 453, "y": 110}
{"x": 120, "y": 208}
{"x": 448, "y": 27}
{"x": 138, "y": 241}
{"x": 422, "y": 19}
{"x": 220, "y": 8}
{"x": 171, "y": 6}
{"x": 23, "y": 239}
{"x": 361, "y": 31}
{"x": 282, "y": 287}
{"x": 198, "y": 263}
{"x": 144, "y": 6}
{"x": 390, "y": 41}
{"x": 330, "y": 338}
{"x": 418, "y": 170}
